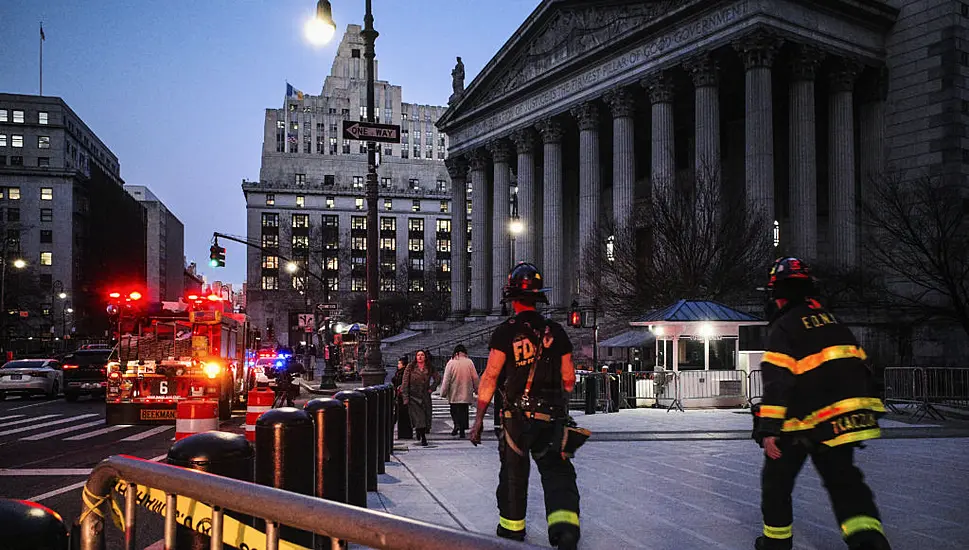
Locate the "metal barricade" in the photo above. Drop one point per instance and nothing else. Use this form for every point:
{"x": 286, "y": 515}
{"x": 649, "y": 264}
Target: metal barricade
{"x": 636, "y": 389}
{"x": 947, "y": 386}
{"x": 755, "y": 387}
{"x": 173, "y": 485}
{"x": 718, "y": 388}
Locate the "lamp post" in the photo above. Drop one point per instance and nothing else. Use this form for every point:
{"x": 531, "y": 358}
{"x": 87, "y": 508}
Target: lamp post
{"x": 17, "y": 264}
{"x": 328, "y": 377}
{"x": 515, "y": 228}
{"x": 320, "y": 31}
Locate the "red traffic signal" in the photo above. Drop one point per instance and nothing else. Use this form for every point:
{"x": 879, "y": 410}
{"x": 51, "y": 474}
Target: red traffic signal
{"x": 575, "y": 318}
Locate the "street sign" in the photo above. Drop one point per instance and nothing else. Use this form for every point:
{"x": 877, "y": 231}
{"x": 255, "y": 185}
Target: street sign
{"x": 368, "y": 131}
{"x": 326, "y": 307}
{"x": 306, "y": 320}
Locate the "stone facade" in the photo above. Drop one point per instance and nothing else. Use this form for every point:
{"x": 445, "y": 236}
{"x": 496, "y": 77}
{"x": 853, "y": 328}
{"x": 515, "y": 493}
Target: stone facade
{"x": 166, "y": 247}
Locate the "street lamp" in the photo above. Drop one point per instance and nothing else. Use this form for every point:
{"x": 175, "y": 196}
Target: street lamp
{"x": 292, "y": 267}
{"x": 321, "y": 28}
{"x": 373, "y": 372}
{"x": 515, "y": 228}
{"x": 18, "y": 264}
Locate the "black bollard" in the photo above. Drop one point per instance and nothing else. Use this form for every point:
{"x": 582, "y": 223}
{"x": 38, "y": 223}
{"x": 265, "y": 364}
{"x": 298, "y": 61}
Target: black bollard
{"x": 391, "y": 397}
{"x": 355, "y": 404}
{"x": 220, "y": 453}
{"x": 284, "y": 438}
{"x": 381, "y": 427}
{"x": 31, "y": 526}
{"x": 373, "y": 410}
{"x": 590, "y": 393}
{"x": 330, "y": 467}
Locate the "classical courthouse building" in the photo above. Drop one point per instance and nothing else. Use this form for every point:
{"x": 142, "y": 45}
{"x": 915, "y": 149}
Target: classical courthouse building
{"x": 795, "y": 102}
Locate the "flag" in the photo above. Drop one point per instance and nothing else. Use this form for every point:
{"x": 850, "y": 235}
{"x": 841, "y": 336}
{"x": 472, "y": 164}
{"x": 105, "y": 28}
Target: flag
{"x": 42, "y": 37}
{"x": 293, "y": 92}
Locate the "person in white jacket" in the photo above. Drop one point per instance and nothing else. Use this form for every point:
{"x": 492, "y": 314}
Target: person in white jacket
{"x": 459, "y": 388}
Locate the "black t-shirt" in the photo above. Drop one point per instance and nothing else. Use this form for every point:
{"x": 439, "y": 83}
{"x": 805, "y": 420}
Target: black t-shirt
{"x": 519, "y": 339}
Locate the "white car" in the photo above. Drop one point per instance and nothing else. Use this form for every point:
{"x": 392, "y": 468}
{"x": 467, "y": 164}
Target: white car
{"x": 265, "y": 369}
{"x": 31, "y": 376}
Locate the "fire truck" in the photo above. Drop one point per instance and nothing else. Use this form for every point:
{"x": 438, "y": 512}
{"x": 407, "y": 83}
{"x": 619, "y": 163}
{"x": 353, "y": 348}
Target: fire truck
{"x": 178, "y": 355}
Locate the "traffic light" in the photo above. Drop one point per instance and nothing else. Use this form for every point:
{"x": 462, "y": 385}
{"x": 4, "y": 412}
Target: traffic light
{"x": 575, "y": 316}
{"x": 217, "y": 256}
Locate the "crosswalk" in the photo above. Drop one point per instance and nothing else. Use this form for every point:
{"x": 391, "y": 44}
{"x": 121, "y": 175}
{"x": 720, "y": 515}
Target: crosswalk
{"x": 441, "y": 414}
{"x": 73, "y": 427}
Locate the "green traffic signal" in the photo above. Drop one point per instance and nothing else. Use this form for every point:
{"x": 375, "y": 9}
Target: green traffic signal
{"x": 216, "y": 256}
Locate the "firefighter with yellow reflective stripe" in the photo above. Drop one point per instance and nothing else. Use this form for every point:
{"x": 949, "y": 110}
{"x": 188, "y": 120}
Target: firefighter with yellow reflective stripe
{"x": 819, "y": 401}
{"x": 530, "y": 363}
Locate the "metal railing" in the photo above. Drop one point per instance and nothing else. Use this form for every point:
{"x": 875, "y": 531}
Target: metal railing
{"x": 926, "y": 388}
{"x": 755, "y": 387}
{"x": 275, "y": 506}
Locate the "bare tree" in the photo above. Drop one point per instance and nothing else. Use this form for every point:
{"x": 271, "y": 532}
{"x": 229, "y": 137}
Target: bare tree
{"x": 689, "y": 240}
{"x": 917, "y": 235}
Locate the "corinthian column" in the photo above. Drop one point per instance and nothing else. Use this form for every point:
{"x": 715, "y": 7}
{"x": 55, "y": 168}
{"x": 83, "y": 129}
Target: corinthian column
{"x": 842, "y": 223}
{"x": 480, "y": 235}
{"x": 457, "y": 168}
{"x": 500, "y": 217}
{"x": 622, "y": 105}
{"x": 590, "y": 183}
{"x": 553, "y": 256}
{"x": 525, "y": 242}
{"x": 803, "y": 179}
{"x": 704, "y": 69}
{"x": 758, "y": 51}
{"x": 660, "y": 89}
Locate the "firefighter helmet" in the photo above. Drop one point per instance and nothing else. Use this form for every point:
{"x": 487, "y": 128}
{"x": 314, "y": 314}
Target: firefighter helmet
{"x": 790, "y": 278}
{"x": 525, "y": 282}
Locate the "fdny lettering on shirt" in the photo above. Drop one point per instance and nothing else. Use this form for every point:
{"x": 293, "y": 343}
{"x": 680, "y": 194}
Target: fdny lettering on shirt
{"x": 819, "y": 320}
{"x": 853, "y": 422}
{"x": 525, "y": 351}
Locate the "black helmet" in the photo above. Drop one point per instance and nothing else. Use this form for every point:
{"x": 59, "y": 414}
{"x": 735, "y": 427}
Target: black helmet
{"x": 525, "y": 282}
{"x": 790, "y": 278}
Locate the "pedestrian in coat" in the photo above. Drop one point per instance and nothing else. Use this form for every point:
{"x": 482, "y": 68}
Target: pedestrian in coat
{"x": 420, "y": 381}
{"x": 404, "y": 429}
{"x": 459, "y": 386}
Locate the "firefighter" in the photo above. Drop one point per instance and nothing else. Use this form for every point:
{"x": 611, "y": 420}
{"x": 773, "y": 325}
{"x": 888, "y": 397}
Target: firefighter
{"x": 819, "y": 401}
{"x": 531, "y": 358}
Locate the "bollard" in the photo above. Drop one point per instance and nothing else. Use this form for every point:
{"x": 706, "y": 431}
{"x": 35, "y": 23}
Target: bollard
{"x": 31, "y": 526}
{"x": 220, "y": 453}
{"x": 381, "y": 396}
{"x": 330, "y": 457}
{"x": 258, "y": 401}
{"x": 355, "y": 404}
{"x": 590, "y": 393}
{"x": 373, "y": 410}
{"x": 391, "y": 397}
{"x": 284, "y": 460}
{"x": 195, "y": 416}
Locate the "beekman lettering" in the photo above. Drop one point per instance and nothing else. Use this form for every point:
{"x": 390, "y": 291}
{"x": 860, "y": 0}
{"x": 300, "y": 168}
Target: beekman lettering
{"x": 851, "y": 422}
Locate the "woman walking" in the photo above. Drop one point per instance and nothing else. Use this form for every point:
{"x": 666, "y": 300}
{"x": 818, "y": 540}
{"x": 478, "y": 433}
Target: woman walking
{"x": 459, "y": 387}
{"x": 404, "y": 429}
{"x": 419, "y": 381}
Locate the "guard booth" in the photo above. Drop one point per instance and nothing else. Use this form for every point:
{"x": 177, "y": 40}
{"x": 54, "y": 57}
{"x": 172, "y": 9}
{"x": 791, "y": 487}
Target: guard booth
{"x": 699, "y": 342}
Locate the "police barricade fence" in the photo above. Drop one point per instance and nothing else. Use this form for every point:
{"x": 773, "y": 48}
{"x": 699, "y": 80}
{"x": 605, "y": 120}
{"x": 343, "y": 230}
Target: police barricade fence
{"x": 578, "y": 397}
{"x": 199, "y": 501}
{"x": 924, "y": 388}
{"x": 712, "y": 388}
{"x": 755, "y": 387}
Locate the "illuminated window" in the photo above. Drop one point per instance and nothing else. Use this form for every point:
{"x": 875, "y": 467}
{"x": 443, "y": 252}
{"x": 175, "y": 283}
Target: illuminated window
{"x": 16, "y": 141}
{"x": 270, "y": 262}
{"x": 388, "y": 204}
{"x": 444, "y": 286}
{"x": 777, "y": 233}
{"x": 331, "y": 221}
{"x": 270, "y": 240}
{"x": 301, "y": 241}
{"x": 388, "y": 243}
{"x": 18, "y": 117}
{"x": 270, "y": 199}
{"x": 270, "y": 220}
{"x": 416, "y": 205}
{"x": 444, "y": 207}
{"x": 13, "y": 193}
{"x": 611, "y": 248}
{"x": 270, "y": 282}
{"x": 332, "y": 263}
{"x": 469, "y": 208}
{"x": 300, "y": 179}
{"x": 299, "y": 283}
{"x": 444, "y": 245}
{"x": 358, "y": 203}
{"x": 42, "y": 117}
{"x": 358, "y": 222}
{"x": 300, "y": 201}
{"x": 443, "y": 226}
{"x": 43, "y": 142}
{"x": 46, "y": 193}
{"x": 445, "y": 265}
{"x": 388, "y": 224}
{"x": 46, "y": 214}
{"x": 358, "y": 182}
{"x": 415, "y": 245}
{"x": 358, "y": 243}
{"x": 388, "y": 284}
{"x": 330, "y": 202}
{"x": 46, "y": 258}
{"x": 415, "y": 184}
{"x": 358, "y": 284}
{"x": 3, "y": 115}
{"x": 415, "y": 224}
{"x": 385, "y": 183}
{"x": 3, "y": 140}
{"x": 301, "y": 220}
{"x": 416, "y": 285}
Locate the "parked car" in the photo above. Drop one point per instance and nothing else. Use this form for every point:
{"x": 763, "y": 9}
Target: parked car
{"x": 95, "y": 346}
{"x": 85, "y": 372}
{"x": 30, "y": 377}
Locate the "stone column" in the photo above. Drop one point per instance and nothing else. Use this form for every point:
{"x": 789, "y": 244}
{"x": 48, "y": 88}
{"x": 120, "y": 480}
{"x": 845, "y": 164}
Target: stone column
{"x": 842, "y": 221}
{"x": 553, "y": 253}
{"x": 590, "y": 184}
{"x": 663, "y": 171}
{"x": 622, "y": 105}
{"x": 480, "y": 235}
{"x": 525, "y": 242}
{"x": 758, "y": 51}
{"x": 457, "y": 168}
{"x": 500, "y": 217}
{"x": 803, "y": 178}
{"x": 704, "y": 71}
{"x": 871, "y": 118}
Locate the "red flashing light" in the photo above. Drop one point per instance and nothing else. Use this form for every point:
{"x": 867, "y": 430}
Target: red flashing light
{"x": 575, "y": 319}
{"x": 115, "y": 375}
{"x": 215, "y": 297}
{"x": 193, "y": 297}
{"x": 115, "y": 295}
{"x": 135, "y": 295}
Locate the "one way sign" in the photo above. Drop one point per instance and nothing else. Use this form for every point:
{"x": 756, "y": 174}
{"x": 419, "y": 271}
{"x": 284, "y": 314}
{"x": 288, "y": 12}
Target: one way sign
{"x": 368, "y": 131}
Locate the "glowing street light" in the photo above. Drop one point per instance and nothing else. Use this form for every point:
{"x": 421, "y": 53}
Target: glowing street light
{"x": 320, "y": 30}
{"x": 516, "y": 227}
{"x": 706, "y": 330}
{"x": 19, "y": 264}
{"x": 62, "y": 295}
{"x": 292, "y": 267}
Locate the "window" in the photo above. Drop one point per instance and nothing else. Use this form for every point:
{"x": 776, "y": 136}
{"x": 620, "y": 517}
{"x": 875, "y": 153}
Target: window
{"x": 330, "y": 202}
{"x": 388, "y": 204}
{"x": 270, "y": 262}
{"x": 440, "y": 141}
{"x": 388, "y": 224}
{"x": 415, "y": 184}
{"x": 441, "y": 186}
{"x": 332, "y": 145}
{"x": 16, "y": 141}
{"x": 3, "y": 161}
{"x": 358, "y": 222}
{"x": 13, "y": 193}
{"x": 46, "y": 236}
{"x": 270, "y": 282}
{"x": 329, "y": 180}
{"x": 358, "y": 203}
{"x": 42, "y": 162}
{"x": 332, "y": 263}
{"x": 416, "y": 205}
{"x": 388, "y": 243}
{"x": 3, "y": 115}
{"x": 417, "y": 136}
{"x": 13, "y": 214}
{"x": 270, "y": 240}
{"x": 46, "y": 193}
{"x": 385, "y": 183}
{"x": 444, "y": 245}
{"x": 3, "y": 140}
{"x": 280, "y": 124}
{"x": 416, "y": 285}
{"x": 46, "y": 258}
{"x": 358, "y": 285}
{"x": 358, "y": 182}
{"x": 358, "y": 243}
{"x": 43, "y": 142}
{"x": 388, "y": 152}
{"x": 417, "y": 152}
{"x": 18, "y": 117}
{"x": 346, "y": 146}
{"x": 415, "y": 245}
{"x": 299, "y": 283}
{"x": 270, "y": 220}
{"x": 300, "y": 179}
{"x": 301, "y": 220}
{"x": 301, "y": 242}
{"x": 46, "y": 214}
{"x": 429, "y": 153}
{"x": 300, "y": 201}
{"x": 270, "y": 199}
{"x": 404, "y": 154}
{"x": 388, "y": 285}
{"x": 611, "y": 248}
{"x": 445, "y": 265}
{"x": 42, "y": 117}
{"x": 363, "y": 148}
{"x": 331, "y": 221}
{"x": 443, "y": 226}
{"x": 444, "y": 207}
{"x": 363, "y": 112}
{"x": 415, "y": 224}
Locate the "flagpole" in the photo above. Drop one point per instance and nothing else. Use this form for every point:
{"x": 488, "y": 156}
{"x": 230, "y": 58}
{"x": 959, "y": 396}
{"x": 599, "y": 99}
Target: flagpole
{"x": 41, "y": 58}
{"x": 286, "y": 118}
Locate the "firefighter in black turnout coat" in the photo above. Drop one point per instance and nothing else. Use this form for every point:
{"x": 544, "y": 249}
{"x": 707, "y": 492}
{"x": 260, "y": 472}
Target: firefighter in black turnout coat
{"x": 530, "y": 363}
{"x": 819, "y": 401}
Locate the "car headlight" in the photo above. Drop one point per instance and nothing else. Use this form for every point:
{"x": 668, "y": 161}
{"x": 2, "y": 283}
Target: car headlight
{"x": 212, "y": 369}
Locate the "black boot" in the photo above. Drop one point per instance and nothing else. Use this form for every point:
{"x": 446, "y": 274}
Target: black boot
{"x": 567, "y": 541}
{"x": 461, "y": 436}
{"x": 423, "y": 438}
{"x": 454, "y": 432}
{"x": 513, "y": 535}
{"x": 767, "y": 543}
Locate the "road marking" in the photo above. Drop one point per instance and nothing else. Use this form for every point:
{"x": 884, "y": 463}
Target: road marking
{"x": 147, "y": 434}
{"x": 11, "y": 417}
{"x": 96, "y": 433}
{"x": 45, "y": 472}
{"x": 44, "y": 425}
{"x": 76, "y": 427}
{"x": 28, "y": 420}
{"x": 33, "y": 405}
{"x": 74, "y": 486}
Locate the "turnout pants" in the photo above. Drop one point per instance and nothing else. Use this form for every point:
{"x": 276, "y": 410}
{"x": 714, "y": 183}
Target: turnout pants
{"x": 558, "y": 479}
{"x": 852, "y": 500}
